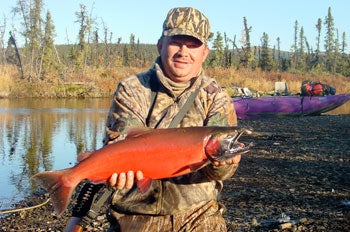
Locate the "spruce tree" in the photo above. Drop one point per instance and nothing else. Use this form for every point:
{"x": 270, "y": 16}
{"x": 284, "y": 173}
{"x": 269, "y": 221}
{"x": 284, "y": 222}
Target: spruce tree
{"x": 330, "y": 41}
{"x": 265, "y": 61}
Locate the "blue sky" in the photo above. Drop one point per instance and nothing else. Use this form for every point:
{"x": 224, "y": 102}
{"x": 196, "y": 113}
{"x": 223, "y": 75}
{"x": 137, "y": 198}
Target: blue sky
{"x": 144, "y": 18}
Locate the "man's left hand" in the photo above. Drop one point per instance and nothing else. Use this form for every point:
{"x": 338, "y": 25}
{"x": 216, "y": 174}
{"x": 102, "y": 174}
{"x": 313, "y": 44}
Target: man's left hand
{"x": 235, "y": 160}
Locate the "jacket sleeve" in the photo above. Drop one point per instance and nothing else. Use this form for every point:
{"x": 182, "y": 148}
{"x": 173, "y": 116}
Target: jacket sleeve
{"x": 124, "y": 113}
{"x": 222, "y": 113}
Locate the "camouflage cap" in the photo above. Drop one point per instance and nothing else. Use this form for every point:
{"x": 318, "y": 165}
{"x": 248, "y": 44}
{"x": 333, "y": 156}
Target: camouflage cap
{"x": 187, "y": 21}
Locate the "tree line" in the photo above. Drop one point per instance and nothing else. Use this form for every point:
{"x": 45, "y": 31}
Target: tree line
{"x": 40, "y": 58}
{"x": 302, "y": 57}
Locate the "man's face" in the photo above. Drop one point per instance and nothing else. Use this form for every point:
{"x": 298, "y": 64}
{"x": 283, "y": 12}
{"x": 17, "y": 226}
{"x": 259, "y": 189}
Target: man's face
{"x": 182, "y": 56}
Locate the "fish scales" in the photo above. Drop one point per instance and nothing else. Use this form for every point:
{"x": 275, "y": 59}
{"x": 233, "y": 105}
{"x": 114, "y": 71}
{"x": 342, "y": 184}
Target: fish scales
{"x": 145, "y": 152}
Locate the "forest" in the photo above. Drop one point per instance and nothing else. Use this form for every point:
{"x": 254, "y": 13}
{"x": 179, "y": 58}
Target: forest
{"x": 93, "y": 65}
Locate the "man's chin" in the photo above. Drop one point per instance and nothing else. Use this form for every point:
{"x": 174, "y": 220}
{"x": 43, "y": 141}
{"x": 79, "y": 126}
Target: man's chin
{"x": 180, "y": 78}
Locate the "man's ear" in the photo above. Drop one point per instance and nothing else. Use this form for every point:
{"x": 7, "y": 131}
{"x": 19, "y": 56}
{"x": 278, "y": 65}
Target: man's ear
{"x": 160, "y": 45}
{"x": 205, "y": 52}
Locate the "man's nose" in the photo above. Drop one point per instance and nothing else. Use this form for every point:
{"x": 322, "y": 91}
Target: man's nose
{"x": 183, "y": 49}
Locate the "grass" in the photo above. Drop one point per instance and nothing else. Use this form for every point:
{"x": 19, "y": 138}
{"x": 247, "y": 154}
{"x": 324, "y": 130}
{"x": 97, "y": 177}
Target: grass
{"x": 264, "y": 82}
{"x": 96, "y": 82}
{"x": 7, "y": 80}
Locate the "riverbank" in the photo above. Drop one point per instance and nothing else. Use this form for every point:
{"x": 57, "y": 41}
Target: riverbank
{"x": 101, "y": 82}
{"x": 295, "y": 177}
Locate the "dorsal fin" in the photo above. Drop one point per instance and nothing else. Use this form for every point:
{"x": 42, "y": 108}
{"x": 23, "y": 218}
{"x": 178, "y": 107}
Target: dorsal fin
{"x": 138, "y": 131}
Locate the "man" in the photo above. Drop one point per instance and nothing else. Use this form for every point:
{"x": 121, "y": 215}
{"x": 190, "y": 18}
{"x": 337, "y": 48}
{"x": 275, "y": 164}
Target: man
{"x": 154, "y": 98}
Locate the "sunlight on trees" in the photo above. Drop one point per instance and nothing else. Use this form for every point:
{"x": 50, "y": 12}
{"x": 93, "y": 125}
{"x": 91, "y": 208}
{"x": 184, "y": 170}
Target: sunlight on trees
{"x": 96, "y": 48}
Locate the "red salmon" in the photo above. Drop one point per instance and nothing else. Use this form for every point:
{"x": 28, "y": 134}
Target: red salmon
{"x": 158, "y": 153}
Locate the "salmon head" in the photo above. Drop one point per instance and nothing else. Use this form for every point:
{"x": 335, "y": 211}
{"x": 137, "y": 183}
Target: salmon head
{"x": 223, "y": 144}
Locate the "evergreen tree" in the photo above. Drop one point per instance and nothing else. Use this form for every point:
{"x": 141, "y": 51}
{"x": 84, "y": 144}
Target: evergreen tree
{"x": 227, "y": 54}
{"x": 81, "y": 51}
{"x": 132, "y": 48}
{"x": 301, "y": 62}
{"x": 336, "y": 52}
{"x": 247, "y": 58}
{"x": 108, "y": 57}
{"x": 344, "y": 43}
{"x": 95, "y": 57}
{"x": 294, "y": 49}
{"x": 282, "y": 62}
{"x": 32, "y": 21}
{"x": 279, "y": 57}
{"x": 318, "y": 38}
{"x": 344, "y": 63}
{"x": 127, "y": 55}
{"x": 330, "y": 41}
{"x": 218, "y": 47}
{"x": 265, "y": 61}
{"x": 48, "y": 58}
{"x": 316, "y": 59}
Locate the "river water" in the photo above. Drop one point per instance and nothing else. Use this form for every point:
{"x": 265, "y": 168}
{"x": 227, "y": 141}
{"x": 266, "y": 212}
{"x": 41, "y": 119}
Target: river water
{"x": 44, "y": 134}
{"x": 47, "y": 134}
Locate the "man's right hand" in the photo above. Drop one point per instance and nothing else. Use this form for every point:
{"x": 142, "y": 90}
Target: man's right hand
{"x": 124, "y": 180}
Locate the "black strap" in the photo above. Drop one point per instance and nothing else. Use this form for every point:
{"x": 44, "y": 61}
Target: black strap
{"x": 181, "y": 114}
{"x": 154, "y": 90}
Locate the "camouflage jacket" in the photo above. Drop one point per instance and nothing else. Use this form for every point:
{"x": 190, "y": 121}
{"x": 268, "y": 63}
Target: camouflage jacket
{"x": 130, "y": 107}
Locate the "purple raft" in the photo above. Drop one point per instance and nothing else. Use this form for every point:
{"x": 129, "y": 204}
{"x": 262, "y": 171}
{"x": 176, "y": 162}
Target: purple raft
{"x": 280, "y": 106}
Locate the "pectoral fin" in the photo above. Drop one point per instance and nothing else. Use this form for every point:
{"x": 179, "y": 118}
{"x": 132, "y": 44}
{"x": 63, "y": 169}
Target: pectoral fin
{"x": 192, "y": 167}
{"x": 144, "y": 184}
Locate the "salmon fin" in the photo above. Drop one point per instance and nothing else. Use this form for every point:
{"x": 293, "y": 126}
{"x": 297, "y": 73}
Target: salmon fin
{"x": 144, "y": 184}
{"x": 60, "y": 193}
{"x": 197, "y": 166}
{"x": 134, "y": 132}
{"x": 191, "y": 167}
{"x": 83, "y": 155}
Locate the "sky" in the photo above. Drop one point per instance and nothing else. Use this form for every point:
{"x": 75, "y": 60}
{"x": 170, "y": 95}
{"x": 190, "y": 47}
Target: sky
{"x": 144, "y": 18}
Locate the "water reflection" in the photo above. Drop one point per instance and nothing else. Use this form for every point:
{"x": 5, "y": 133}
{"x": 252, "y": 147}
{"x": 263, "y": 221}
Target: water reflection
{"x": 38, "y": 135}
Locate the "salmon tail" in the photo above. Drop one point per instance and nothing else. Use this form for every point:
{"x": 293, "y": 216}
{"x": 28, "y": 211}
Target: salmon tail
{"x": 59, "y": 191}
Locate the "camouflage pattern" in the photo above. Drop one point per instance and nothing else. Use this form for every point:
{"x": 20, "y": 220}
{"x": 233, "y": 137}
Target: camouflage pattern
{"x": 130, "y": 108}
{"x": 206, "y": 217}
{"x": 187, "y": 21}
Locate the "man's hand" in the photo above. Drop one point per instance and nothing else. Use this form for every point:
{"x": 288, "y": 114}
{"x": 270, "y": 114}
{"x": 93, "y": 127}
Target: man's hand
{"x": 235, "y": 160}
{"x": 124, "y": 180}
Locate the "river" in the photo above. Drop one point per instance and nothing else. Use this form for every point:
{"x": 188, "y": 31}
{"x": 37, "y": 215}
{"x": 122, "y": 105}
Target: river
{"x": 47, "y": 134}
{"x": 44, "y": 134}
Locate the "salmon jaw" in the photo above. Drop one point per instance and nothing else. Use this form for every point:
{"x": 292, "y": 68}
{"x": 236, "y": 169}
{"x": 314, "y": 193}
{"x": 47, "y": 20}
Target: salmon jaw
{"x": 228, "y": 147}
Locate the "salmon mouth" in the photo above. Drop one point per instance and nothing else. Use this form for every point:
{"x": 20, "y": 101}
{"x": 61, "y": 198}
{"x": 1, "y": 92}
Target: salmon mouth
{"x": 230, "y": 146}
